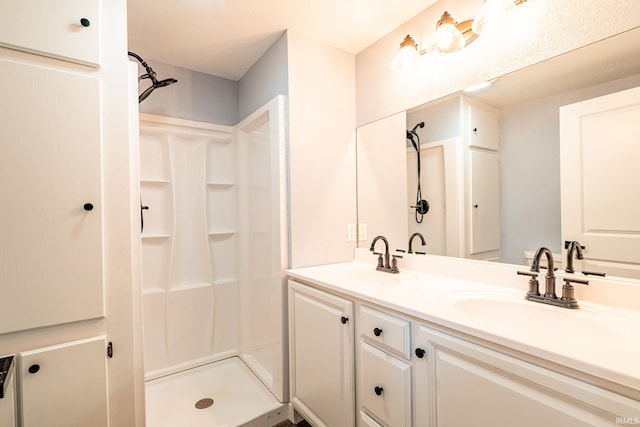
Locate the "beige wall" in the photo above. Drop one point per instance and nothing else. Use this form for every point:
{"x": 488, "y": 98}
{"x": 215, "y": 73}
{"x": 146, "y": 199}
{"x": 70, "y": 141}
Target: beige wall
{"x": 322, "y": 151}
{"x": 538, "y": 30}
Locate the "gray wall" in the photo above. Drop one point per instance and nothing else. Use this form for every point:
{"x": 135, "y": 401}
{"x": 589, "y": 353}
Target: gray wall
{"x": 267, "y": 78}
{"x": 530, "y": 156}
{"x": 197, "y": 96}
{"x": 206, "y": 98}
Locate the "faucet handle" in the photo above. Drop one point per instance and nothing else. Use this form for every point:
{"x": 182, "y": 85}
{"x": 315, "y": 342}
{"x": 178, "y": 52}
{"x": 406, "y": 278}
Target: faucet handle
{"x": 380, "y": 261}
{"x": 394, "y": 263}
{"x": 568, "y": 242}
{"x": 534, "y": 285}
{"x": 568, "y": 292}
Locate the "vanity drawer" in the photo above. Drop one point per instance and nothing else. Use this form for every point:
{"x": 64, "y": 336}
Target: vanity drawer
{"x": 385, "y": 386}
{"x": 389, "y": 331}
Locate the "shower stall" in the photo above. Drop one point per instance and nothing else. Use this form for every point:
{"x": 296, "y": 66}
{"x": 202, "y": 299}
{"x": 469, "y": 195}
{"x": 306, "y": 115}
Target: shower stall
{"x": 214, "y": 249}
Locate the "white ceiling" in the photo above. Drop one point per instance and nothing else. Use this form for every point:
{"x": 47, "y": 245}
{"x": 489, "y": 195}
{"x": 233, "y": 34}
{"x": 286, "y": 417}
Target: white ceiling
{"x": 225, "y": 37}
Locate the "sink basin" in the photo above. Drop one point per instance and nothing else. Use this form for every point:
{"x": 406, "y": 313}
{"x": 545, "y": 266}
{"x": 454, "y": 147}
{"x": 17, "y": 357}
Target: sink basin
{"x": 510, "y": 311}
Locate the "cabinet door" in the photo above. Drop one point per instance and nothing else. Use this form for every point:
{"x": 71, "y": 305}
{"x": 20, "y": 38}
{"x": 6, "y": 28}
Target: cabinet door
{"x": 484, "y": 199}
{"x": 67, "y": 29}
{"x": 65, "y": 385}
{"x": 473, "y": 385}
{"x": 50, "y": 182}
{"x": 484, "y": 130}
{"x": 321, "y": 356}
{"x": 599, "y": 172}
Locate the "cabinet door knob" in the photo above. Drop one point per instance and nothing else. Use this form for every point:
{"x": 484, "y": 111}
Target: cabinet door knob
{"x": 34, "y": 368}
{"x": 85, "y": 22}
{"x": 420, "y": 352}
{"x": 377, "y": 332}
{"x": 378, "y": 390}
{"x": 88, "y": 207}
{"x": 344, "y": 319}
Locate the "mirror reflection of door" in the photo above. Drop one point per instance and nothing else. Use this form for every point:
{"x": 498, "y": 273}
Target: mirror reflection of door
{"x": 599, "y": 154}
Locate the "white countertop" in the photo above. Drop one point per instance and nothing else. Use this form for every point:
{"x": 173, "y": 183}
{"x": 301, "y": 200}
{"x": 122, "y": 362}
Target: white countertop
{"x": 600, "y": 340}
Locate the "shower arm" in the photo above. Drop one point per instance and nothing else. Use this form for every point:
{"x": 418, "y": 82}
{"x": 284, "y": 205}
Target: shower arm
{"x": 150, "y": 73}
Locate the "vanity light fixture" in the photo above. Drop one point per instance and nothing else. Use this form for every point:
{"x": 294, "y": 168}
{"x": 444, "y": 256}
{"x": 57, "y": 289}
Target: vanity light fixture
{"x": 451, "y": 36}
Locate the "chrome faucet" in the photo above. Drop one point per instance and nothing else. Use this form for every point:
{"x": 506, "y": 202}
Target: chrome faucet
{"x": 550, "y": 278}
{"x": 413, "y": 236}
{"x": 571, "y": 247}
{"x": 384, "y": 265}
{"x": 567, "y": 299}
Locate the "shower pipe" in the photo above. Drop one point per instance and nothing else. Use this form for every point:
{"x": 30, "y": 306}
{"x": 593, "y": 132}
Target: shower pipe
{"x": 151, "y": 75}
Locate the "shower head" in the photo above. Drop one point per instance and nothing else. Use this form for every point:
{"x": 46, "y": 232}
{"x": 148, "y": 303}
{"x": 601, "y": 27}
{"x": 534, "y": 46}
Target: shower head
{"x": 411, "y": 133}
{"x": 151, "y": 75}
{"x": 419, "y": 125}
{"x": 166, "y": 82}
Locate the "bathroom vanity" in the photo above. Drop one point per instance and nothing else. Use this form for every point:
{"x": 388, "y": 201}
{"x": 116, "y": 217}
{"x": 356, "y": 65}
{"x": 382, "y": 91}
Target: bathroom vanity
{"x": 452, "y": 342}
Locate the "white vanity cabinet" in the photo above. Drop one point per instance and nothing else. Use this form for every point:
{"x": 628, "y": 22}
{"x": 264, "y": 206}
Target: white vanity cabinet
{"x": 321, "y": 347}
{"x": 411, "y": 371}
{"x": 384, "y": 368}
{"x": 64, "y": 385}
{"x": 459, "y": 383}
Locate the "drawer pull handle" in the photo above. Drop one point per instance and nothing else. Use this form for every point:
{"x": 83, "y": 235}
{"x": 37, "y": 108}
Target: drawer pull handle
{"x": 377, "y": 332}
{"x": 88, "y": 207}
{"x": 378, "y": 390}
{"x": 33, "y": 369}
{"x": 420, "y": 352}
{"x": 85, "y": 22}
{"x": 344, "y": 320}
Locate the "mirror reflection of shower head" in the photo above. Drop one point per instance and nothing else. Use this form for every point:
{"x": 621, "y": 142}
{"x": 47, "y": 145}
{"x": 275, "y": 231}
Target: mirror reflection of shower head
{"x": 410, "y": 136}
{"x": 151, "y": 75}
{"x": 421, "y": 206}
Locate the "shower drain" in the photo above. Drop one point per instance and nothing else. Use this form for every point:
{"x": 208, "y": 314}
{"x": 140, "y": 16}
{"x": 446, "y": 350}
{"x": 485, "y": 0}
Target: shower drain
{"x": 204, "y": 403}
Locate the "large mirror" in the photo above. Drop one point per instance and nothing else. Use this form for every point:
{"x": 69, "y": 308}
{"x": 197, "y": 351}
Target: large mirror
{"x": 525, "y": 185}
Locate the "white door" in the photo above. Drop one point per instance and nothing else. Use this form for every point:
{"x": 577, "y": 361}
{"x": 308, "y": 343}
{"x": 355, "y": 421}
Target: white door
{"x": 50, "y": 181}
{"x": 321, "y": 356}
{"x": 600, "y": 176}
{"x": 484, "y": 203}
{"x": 65, "y": 385}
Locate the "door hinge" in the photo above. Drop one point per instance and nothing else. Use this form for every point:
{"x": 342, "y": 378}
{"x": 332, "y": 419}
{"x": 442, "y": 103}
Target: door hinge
{"x": 110, "y": 350}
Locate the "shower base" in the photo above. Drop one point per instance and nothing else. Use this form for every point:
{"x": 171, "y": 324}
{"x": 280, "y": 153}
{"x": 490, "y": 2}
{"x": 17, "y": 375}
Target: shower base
{"x": 239, "y": 398}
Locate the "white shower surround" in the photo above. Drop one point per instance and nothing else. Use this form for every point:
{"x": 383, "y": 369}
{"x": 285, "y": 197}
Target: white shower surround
{"x": 214, "y": 245}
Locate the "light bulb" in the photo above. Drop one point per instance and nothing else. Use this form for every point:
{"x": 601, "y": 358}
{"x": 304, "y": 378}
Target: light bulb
{"x": 448, "y": 39}
{"x": 406, "y": 56}
{"x": 492, "y": 11}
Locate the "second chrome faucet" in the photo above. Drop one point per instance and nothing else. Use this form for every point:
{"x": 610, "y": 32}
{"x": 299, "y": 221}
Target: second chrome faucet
{"x": 567, "y": 299}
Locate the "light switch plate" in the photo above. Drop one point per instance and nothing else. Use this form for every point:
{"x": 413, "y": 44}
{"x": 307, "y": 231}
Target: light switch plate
{"x": 351, "y": 232}
{"x": 362, "y": 232}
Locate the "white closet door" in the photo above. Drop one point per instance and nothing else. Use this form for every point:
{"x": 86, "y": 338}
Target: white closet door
{"x": 65, "y": 385}
{"x": 599, "y": 157}
{"x": 484, "y": 200}
{"x": 50, "y": 182}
